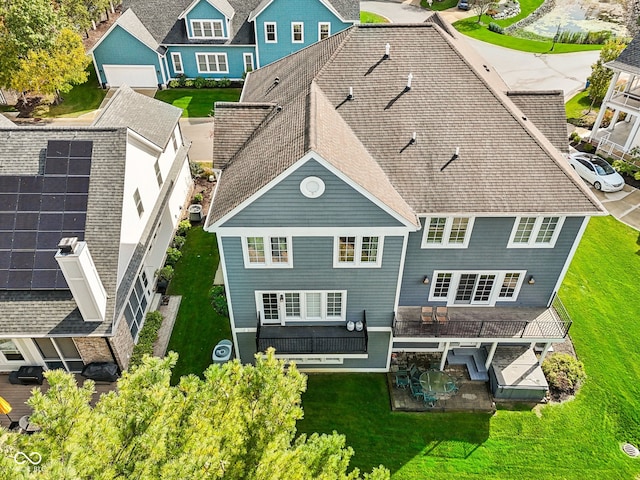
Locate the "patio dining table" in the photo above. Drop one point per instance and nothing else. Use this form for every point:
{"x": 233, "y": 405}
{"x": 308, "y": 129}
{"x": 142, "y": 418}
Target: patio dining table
{"x": 437, "y": 382}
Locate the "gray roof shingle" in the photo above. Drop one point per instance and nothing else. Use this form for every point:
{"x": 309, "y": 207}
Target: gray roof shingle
{"x": 455, "y": 101}
{"x": 152, "y": 119}
{"x": 629, "y": 59}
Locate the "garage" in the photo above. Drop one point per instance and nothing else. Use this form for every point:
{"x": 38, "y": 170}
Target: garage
{"x": 140, "y": 76}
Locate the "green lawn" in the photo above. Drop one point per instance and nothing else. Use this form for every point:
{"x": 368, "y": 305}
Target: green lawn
{"x": 576, "y": 440}
{"x": 579, "y": 110}
{"x": 81, "y": 99}
{"x": 439, "y": 5}
{"x": 198, "y": 327}
{"x": 368, "y": 17}
{"x": 197, "y": 102}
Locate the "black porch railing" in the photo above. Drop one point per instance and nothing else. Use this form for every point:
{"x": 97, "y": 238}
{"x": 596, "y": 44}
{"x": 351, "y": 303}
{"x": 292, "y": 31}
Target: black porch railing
{"x": 314, "y": 339}
{"x": 549, "y": 323}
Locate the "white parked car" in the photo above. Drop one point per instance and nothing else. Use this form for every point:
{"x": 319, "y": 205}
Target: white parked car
{"x": 597, "y": 171}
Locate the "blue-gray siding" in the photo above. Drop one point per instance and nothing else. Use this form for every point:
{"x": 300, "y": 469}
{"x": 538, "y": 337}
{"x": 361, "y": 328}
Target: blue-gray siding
{"x": 205, "y": 11}
{"x": 378, "y": 352}
{"x": 488, "y": 251}
{"x": 235, "y": 60}
{"x": 339, "y": 206}
{"x": 370, "y": 289}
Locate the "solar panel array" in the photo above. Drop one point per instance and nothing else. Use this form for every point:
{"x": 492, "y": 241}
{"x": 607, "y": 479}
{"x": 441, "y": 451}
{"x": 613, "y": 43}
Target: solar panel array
{"x": 36, "y": 211}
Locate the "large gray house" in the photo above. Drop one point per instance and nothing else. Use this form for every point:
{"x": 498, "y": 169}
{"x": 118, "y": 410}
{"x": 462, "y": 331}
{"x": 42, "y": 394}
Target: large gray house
{"x": 381, "y": 173}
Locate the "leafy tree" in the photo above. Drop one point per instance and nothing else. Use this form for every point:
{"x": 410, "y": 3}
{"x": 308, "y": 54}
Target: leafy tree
{"x": 600, "y": 75}
{"x": 480, "y": 7}
{"x": 236, "y": 423}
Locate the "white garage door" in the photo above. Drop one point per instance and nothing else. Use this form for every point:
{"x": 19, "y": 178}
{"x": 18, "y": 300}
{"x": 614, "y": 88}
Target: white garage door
{"x": 131, "y": 75}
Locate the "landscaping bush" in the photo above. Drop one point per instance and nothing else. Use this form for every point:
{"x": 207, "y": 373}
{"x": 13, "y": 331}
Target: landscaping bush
{"x": 182, "y": 79}
{"x": 165, "y": 273}
{"x": 178, "y": 241}
{"x": 224, "y": 82}
{"x": 589, "y": 148}
{"x": 196, "y": 169}
{"x": 494, "y": 27}
{"x": 183, "y": 227}
{"x": 147, "y": 337}
{"x": 575, "y": 138}
{"x": 174, "y": 84}
{"x": 564, "y": 373}
{"x": 199, "y": 82}
{"x": 219, "y": 300}
{"x": 173, "y": 255}
{"x": 197, "y": 198}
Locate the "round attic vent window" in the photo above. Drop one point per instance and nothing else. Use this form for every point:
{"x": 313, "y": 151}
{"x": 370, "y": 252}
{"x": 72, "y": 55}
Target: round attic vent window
{"x": 312, "y": 187}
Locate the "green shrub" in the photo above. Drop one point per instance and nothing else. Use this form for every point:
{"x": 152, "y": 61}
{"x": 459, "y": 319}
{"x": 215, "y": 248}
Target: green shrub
{"x": 587, "y": 147}
{"x": 564, "y": 373}
{"x": 197, "y": 198}
{"x": 625, "y": 168}
{"x": 173, "y": 255}
{"x": 199, "y": 82}
{"x": 210, "y": 83}
{"x": 178, "y": 241}
{"x": 182, "y": 80}
{"x": 183, "y": 227}
{"x": 494, "y": 27}
{"x": 147, "y": 337}
{"x": 165, "y": 273}
{"x": 575, "y": 137}
{"x": 224, "y": 82}
{"x": 219, "y": 300}
{"x": 174, "y": 84}
{"x": 196, "y": 169}
{"x": 188, "y": 83}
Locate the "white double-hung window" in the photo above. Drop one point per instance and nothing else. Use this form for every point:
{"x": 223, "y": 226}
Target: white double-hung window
{"x": 278, "y": 307}
{"x": 357, "y": 251}
{"x": 535, "y": 232}
{"x": 447, "y": 232}
{"x": 207, "y": 29}
{"x": 212, "y": 63}
{"x": 476, "y": 287}
{"x": 267, "y": 252}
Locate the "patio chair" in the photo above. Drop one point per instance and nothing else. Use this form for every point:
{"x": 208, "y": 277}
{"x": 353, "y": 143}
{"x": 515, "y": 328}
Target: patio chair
{"x": 452, "y": 388}
{"x": 427, "y": 315}
{"x": 430, "y": 399}
{"x": 442, "y": 314}
{"x": 401, "y": 378}
{"x": 414, "y": 372}
{"x": 416, "y": 390}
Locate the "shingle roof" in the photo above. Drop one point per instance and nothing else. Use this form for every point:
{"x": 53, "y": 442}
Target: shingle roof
{"x": 546, "y": 110}
{"x": 629, "y": 59}
{"x": 454, "y": 102}
{"x": 48, "y": 312}
{"x": 149, "y": 118}
{"x": 132, "y": 24}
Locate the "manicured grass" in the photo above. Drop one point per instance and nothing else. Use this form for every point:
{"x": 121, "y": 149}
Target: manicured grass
{"x": 579, "y": 109}
{"x": 81, "y": 99}
{"x": 439, "y": 5}
{"x": 198, "y": 327}
{"x": 471, "y": 28}
{"x": 197, "y": 102}
{"x": 368, "y": 17}
{"x": 576, "y": 440}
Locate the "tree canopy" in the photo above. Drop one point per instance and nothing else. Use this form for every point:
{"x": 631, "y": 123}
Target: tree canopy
{"x": 600, "y": 75}
{"x": 239, "y": 422}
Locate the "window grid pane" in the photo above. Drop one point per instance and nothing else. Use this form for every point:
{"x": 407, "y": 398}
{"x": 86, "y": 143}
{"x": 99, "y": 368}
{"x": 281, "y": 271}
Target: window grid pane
{"x": 279, "y": 250}
{"x": 10, "y": 350}
{"x": 255, "y": 248}
{"x": 292, "y": 304}
{"x": 509, "y": 285}
{"x": 483, "y": 289}
{"x": 436, "y": 230}
{"x": 369, "y": 250}
{"x": 324, "y": 31}
{"x": 270, "y": 306}
{"x": 297, "y": 32}
{"x": 465, "y": 287}
{"x": 347, "y": 249}
{"x": 271, "y": 32}
{"x": 443, "y": 282}
{"x": 334, "y": 304}
{"x": 314, "y": 307}
{"x": 217, "y": 29}
{"x": 547, "y": 228}
{"x": 458, "y": 230}
{"x": 523, "y": 232}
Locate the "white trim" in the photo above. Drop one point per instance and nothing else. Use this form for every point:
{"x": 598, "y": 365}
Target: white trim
{"x": 227, "y": 292}
{"x": 173, "y": 62}
{"x": 446, "y": 234}
{"x": 186, "y": 11}
{"x": 311, "y": 155}
{"x": 136, "y": 136}
{"x": 212, "y": 22}
{"x": 268, "y": 253}
{"x": 293, "y": 33}
{"x": 357, "y": 254}
{"x": 309, "y": 231}
{"x": 282, "y": 316}
{"x": 494, "y": 293}
{"x": 254, "y": 14}
{"x": 275, "y": 32}
{"x": 403, "y": 257}
{"x": 531, "y": 243}
{"x": 567, "y": 262}
{"x": 164, "y": 62}
{"x": 312, "y": 187}
{"x": 162, "y": 72}
{"x": 217, "y": 62}
{"x": 249, "y": 55}
{"x": 320, "y": 25}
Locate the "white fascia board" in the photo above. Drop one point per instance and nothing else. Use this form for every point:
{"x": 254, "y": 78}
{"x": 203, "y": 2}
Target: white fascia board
{"x": 311, "y": 155}
{"x": 511, "y": 214}
{"x": 309, "y": 231}
{"x": 143, "y": 140}
{"x": 186, "y": 11}
{"x": 218, "y": 175}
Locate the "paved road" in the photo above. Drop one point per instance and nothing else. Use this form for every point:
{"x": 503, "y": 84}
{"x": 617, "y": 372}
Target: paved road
{"x": 519, "y": 70}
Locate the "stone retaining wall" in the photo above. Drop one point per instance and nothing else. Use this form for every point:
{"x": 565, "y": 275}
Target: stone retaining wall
{"x": 634, "y": 17}
{"x": 543, "y": 9}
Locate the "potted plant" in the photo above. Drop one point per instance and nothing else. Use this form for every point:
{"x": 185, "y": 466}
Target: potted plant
{"x": 164, "y": 276}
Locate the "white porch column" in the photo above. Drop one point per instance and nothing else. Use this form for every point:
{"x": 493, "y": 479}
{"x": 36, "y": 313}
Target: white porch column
{"x": 444, "y": 355}
{"x": 632, "y": 134}
{"x": 603, "y": 108}
{"x": 492, "y": 352}
{"x": 544, "y": 352}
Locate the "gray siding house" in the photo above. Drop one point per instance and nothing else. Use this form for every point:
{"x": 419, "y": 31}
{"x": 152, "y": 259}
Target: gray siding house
{"x": 379, "y": 174}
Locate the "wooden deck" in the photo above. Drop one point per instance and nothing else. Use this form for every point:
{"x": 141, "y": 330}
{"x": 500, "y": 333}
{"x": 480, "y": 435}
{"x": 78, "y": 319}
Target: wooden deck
{"x": 486, "y": 322}
{"x": 17, "y": 395}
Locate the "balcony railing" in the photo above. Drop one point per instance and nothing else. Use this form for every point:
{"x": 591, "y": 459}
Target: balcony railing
{"x": 487, "y": 322}
{"x": 314, "y": 339}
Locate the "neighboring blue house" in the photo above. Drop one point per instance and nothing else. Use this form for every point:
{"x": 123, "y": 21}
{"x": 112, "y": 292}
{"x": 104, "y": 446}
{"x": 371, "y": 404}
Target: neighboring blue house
{"x": 154, "y": 41}
{"x": 383, "y": 173}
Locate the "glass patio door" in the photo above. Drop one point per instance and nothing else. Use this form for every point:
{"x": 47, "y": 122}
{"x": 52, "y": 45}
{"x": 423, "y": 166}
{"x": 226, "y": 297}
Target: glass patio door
{"x": 474, "y": 289}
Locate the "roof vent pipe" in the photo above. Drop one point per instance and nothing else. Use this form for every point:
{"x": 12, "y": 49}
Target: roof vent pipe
{"x": 414, "y": 138}
{"x": 409, "y": 78}
{"x": 387, "y": 50}
{"x": 350, "y": 96}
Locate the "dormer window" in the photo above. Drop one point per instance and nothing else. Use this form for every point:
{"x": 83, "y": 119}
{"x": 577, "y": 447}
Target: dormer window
{"x": 207, "y": 29}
